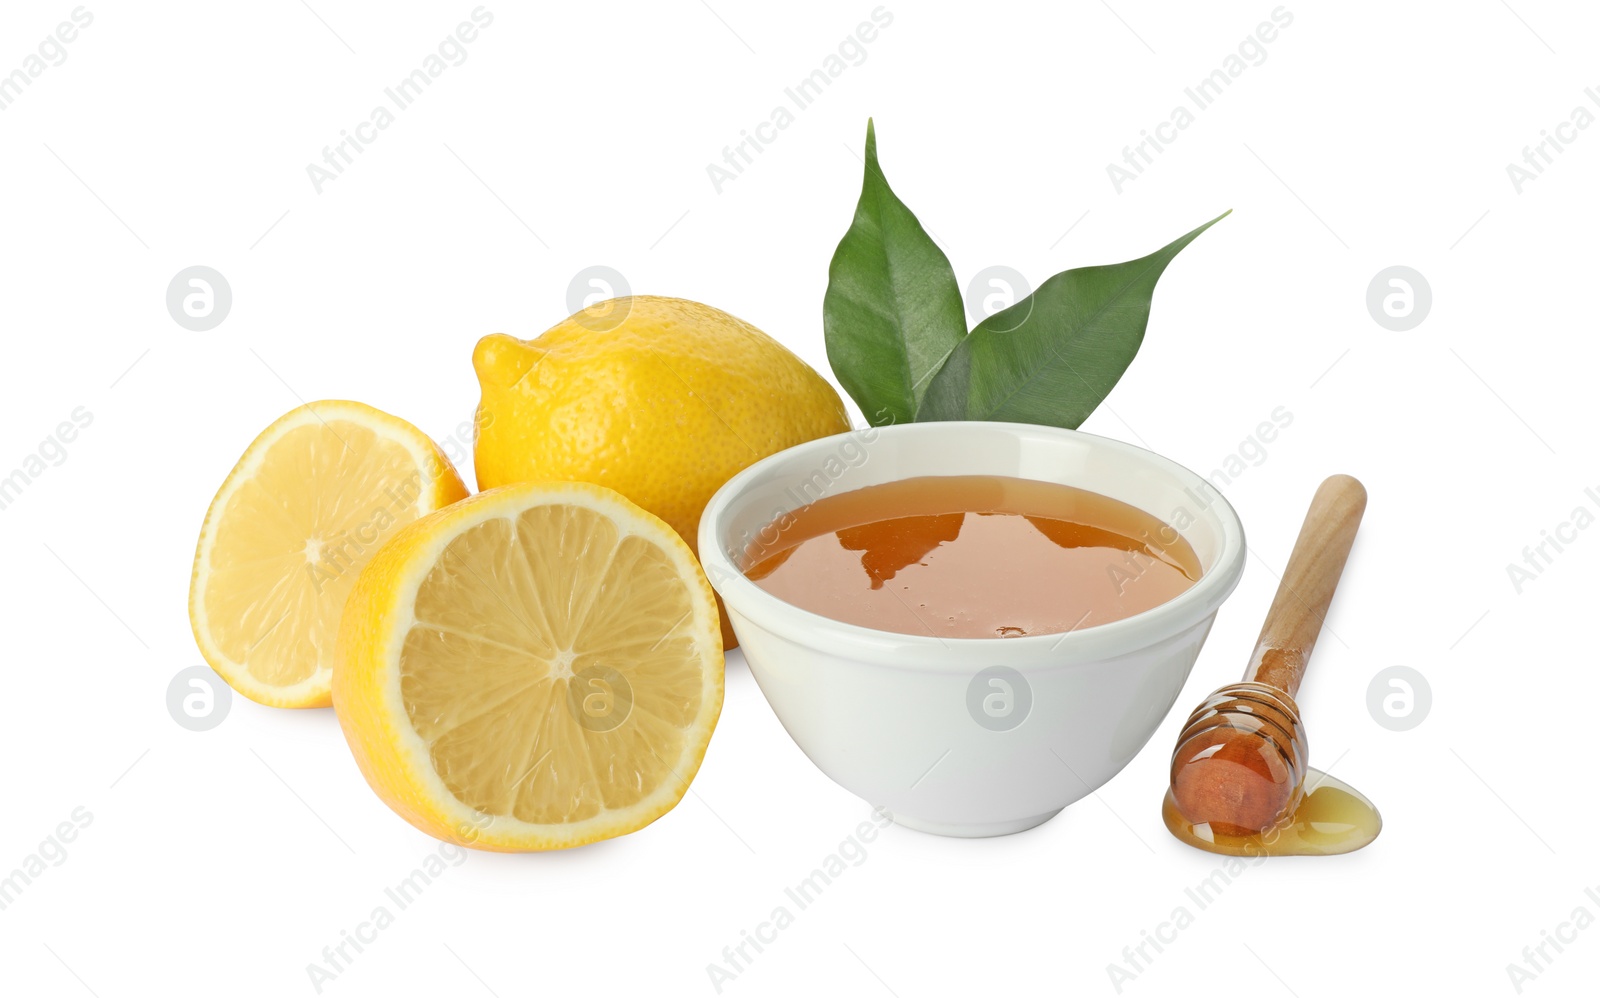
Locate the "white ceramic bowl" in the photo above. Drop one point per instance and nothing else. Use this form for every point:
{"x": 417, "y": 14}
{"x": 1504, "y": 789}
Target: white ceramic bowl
{"x": 974, "y": 736}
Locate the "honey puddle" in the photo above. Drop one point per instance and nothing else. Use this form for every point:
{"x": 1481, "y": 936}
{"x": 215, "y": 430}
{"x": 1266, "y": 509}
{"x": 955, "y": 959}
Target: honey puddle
{"x": 1331, "y": 818}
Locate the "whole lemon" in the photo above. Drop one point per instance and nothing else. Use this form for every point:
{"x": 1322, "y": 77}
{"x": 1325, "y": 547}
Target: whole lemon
{"x": 661, "y": 399}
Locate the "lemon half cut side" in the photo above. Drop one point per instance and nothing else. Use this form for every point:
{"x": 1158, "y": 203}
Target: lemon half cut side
{"x": 536, "y": 667}
{"x": 307, "y": 505}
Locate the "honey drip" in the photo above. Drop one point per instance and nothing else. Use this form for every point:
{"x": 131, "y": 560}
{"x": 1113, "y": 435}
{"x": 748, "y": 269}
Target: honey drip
{"x": 1330, "y": 818}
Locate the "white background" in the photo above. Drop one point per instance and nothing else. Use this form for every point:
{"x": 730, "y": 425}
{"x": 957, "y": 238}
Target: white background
{"x": 1374, "y": 134}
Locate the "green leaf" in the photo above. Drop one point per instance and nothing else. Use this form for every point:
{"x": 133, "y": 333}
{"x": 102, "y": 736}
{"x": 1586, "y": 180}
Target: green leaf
{"x": 1056, "y": 354}
{"x": 893, "y": 310}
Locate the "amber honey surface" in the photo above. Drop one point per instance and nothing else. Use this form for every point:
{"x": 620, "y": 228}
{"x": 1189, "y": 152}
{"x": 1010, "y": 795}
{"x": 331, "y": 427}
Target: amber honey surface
{"x": 972, "y": 556}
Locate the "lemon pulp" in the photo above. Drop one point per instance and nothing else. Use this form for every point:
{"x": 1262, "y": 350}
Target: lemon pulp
{"x": 523, "y": 708}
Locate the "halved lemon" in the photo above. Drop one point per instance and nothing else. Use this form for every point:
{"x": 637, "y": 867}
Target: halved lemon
{"x": 536, "y": 667}
{"x": 309, "y": 503}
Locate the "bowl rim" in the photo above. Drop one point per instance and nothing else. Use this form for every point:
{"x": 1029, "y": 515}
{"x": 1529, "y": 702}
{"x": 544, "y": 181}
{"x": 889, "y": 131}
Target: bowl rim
{"x": 1091, "y": 644}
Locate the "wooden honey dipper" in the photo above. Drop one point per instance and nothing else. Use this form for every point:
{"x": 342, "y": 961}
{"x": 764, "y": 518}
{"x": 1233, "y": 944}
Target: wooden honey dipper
{"x": 1240, "y": 762}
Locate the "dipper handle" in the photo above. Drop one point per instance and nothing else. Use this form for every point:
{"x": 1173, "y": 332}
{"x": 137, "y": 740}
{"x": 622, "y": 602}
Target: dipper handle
{"x": 1295, "y": 619}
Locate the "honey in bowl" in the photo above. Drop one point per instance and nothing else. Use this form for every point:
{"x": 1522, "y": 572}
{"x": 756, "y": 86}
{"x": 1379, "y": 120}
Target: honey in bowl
{"x": 972, "y": 556}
